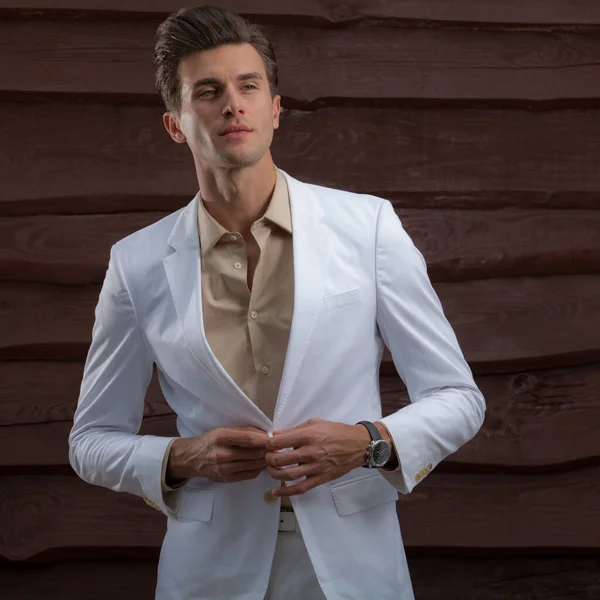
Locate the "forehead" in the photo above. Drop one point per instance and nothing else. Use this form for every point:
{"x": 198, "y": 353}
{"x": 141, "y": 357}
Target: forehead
{"x": 221, "y": 62}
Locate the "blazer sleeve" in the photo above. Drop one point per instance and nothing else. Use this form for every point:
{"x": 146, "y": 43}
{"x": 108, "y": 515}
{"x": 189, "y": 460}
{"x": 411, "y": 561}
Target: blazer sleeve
{"x": 104, "y": 446}
{"x": 446, "y": 407}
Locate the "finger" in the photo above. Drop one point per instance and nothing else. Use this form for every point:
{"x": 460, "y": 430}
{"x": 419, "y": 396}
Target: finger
{"x": 243, "y": 465}
{"x": 281, "y": 459}
{"x": 294, "y": 473}
{"x": 245, "y": 438}
{"x": 234, "y": 453}
{"x": 302, "y": 455}
{"x": 299, "y": 488}
{"x": 289, "y": 439}
{"x": 249, "y": 428}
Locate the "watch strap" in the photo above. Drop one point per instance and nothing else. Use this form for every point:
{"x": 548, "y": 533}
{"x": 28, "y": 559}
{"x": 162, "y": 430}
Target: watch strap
{"x": 373, "y": 431}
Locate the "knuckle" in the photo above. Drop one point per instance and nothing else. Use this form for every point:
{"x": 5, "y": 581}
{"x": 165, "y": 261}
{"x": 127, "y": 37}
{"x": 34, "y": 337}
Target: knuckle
{"x": 221, "y": 457}
{"x": 232, "y": 437}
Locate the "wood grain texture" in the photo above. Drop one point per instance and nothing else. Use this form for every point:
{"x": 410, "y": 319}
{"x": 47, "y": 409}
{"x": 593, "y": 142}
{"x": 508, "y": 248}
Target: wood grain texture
{"x": 333, "y": 12}
{"x": 113, "y": 60}
{"x": 504, "y": 578}
{"x": 120, "y": 158}
{"x": 62, "y": 516}
{"x": 457, "y": 244}
{"x": 536, "y": 421}
{"x": 45, "y": 448}
{"x": 528, "y": 321}
{"x": 500, "y": 578}
{"x": 39, "y": 392}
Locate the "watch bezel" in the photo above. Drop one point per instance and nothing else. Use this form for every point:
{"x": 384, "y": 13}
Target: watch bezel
{"x": 376, "y": 444}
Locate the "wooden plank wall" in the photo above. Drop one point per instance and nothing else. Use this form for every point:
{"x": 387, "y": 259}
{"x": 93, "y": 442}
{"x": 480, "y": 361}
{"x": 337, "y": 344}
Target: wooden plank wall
{"x": 480, "y": 120}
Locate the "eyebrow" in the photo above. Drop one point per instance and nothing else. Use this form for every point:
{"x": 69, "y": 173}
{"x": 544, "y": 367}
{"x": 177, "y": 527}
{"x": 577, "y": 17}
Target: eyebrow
{"x": 215, "y": 81}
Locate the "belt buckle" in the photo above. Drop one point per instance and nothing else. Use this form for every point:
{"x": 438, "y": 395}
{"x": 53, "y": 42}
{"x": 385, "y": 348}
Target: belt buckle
{"x": 287, "y": 521}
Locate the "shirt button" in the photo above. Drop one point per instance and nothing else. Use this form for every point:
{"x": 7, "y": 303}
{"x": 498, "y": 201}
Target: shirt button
{"x": 264, "y": 369}
{"x": 254, "y": 314}
{"x": 237, "y": 265}
{"x": 233, "y": 238}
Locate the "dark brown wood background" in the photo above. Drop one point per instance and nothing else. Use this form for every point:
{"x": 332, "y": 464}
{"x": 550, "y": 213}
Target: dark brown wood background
{"x": 479, "y": 119}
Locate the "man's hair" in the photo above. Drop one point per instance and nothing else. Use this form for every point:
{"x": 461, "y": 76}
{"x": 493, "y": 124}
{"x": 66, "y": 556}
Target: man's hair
{"x": 191, "y": 30}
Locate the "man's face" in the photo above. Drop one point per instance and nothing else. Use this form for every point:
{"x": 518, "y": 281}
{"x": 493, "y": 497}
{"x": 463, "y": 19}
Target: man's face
{"x": 222, "y": 87}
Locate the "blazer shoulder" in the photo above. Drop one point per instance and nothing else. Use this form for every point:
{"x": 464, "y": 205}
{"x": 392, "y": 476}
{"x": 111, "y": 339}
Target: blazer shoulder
{"x": 350, "y": 215}
{"x": 154, "y": 232}
{"x": 334, "y": 198}
{"x": 147, "y": 246}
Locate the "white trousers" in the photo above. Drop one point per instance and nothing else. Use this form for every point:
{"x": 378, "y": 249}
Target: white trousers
{"x": 292, "y": 574}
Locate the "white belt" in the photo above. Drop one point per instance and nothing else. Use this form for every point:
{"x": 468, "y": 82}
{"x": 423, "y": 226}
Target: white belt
{"x": 288, "y": 521}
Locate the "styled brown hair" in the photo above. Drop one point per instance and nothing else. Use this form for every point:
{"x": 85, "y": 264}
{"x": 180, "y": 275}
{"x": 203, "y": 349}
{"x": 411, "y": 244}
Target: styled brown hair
{"x": 191, "y": 30}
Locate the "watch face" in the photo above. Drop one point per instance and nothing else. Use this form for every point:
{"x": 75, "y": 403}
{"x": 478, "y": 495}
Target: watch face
{"x": 381, "y": 453}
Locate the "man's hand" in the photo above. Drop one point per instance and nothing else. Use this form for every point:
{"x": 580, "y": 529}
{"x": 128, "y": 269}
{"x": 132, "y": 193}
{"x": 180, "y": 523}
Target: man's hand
{"x": 322, "y": 451}
{"x": 223, "y": 454}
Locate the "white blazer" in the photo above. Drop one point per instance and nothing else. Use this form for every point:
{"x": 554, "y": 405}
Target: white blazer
{"x": 359, "y": 282}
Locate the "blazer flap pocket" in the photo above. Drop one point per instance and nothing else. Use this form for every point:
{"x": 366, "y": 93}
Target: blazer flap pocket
{"x": 196, "y": 505}
{"x": 359, "y": 494}
{"x": 342, "y": 299}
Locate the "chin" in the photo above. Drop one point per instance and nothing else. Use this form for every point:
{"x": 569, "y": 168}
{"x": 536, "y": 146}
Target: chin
{"x": 242, "y": 159}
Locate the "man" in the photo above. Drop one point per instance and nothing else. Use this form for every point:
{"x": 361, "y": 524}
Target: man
{"x": 265, "y": 304}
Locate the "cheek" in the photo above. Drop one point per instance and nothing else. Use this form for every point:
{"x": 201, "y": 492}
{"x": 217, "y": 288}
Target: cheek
{"x": 268, "y": 125}
{"x": 192, "y": 126}
{"x": 187, "y": 124}
{"x": 197, "y": 134}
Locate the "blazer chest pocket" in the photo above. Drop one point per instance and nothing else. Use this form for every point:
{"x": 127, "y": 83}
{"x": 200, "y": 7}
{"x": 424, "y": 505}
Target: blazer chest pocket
{"x": 353, "y": 496}
{"x": 196, "y": 505}
{"x": 340, "y": 299}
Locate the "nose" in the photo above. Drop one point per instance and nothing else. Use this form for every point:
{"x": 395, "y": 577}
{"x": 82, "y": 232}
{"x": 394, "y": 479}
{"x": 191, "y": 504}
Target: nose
{"x": 233, "y": 102}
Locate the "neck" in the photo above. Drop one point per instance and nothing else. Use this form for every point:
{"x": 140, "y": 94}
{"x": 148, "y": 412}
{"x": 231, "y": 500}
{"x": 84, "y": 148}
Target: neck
{"x": 237, "y": 197}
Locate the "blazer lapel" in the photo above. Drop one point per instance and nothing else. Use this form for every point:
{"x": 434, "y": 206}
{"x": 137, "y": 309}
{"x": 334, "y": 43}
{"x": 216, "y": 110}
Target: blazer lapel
{"x": 310, "y": 241}
{"x": 183, "y": 274}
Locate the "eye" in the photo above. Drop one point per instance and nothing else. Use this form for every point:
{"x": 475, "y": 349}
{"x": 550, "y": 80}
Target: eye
{"x": 205, "y": 92}
{"x": 250, "y": 85}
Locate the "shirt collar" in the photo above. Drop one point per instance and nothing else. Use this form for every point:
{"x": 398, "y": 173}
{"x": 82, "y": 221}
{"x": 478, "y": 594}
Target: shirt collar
{"x": 278, "y": 212}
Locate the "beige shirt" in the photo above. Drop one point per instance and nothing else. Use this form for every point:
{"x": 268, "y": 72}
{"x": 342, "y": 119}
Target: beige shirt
{"x": 247, "y": 317}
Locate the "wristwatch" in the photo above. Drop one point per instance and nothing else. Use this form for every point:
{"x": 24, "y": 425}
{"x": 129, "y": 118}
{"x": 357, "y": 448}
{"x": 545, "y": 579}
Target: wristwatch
{"x": 379, "y": 451}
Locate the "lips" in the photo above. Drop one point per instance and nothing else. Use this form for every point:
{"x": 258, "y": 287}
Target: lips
{"x": 237, "y": 129}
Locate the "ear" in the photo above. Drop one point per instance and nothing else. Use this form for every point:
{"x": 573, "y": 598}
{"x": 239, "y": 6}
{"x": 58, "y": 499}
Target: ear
{"x": 276, "y": 111}
{"x": 172, "y": 126}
